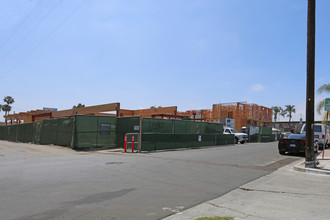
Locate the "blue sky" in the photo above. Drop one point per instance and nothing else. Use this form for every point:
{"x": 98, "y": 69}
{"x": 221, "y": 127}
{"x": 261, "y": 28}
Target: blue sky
{"x": 191, "y": 54}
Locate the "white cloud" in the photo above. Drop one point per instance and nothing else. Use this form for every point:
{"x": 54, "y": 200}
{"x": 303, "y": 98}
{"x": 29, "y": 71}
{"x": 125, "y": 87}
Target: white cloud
{"x": 257, "y": 87}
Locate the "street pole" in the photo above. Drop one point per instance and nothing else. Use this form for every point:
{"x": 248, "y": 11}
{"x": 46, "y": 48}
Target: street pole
{"x": 309, "y": 156}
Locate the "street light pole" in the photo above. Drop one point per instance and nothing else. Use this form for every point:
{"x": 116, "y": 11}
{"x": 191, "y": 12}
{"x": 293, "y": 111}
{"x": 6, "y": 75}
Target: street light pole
{"x": 310, "y": 93}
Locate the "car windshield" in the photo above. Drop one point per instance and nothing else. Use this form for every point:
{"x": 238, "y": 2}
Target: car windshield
{"x": 297, "y": 136}
{"x": 317, "y": 128}
{"x": 234, "y": 130}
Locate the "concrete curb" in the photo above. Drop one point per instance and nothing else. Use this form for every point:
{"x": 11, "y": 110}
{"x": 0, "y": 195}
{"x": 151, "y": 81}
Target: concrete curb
{"x": 300, "y": 167}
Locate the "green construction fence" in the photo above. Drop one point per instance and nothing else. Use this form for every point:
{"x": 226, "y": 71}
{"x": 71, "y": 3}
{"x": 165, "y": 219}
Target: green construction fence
{"x": 90, "y": 132}
{"x": 58, "y": 131}
{"x": 80, "y": 132}
{"x": 158, "y": 141}
{"x": 94, "y": 132}
{"x": 160, "y": 134}
{"x": 4, "y": 131}
{"x": 264, "y": 134}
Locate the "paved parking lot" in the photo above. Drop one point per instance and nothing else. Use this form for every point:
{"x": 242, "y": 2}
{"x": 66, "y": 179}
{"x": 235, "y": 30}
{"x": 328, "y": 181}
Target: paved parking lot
{"x": 50, "y": 182}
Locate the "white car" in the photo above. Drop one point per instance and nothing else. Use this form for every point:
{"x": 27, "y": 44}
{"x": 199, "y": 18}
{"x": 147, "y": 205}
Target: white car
{"x": 320, "y": 135}
{"x": 239, "y": 137}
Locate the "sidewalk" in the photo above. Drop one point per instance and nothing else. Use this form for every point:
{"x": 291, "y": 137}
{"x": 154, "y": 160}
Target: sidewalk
{"x": 283, "y": 194}
{"x": 322, "y": 168}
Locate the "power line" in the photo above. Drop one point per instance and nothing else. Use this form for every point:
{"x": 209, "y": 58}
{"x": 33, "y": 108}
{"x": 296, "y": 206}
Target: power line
{"x": 19, "y": 26}
{"x": 45, "y": 38}
{"x": 29, "y": 32}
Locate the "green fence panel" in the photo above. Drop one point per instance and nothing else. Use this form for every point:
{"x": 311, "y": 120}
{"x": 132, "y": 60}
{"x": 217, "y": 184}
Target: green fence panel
{"x": 26, "y": 132}
{"x": 209, "y": 128}
{"x": 13, "y": 129}
{"x": 48, "y": 131}
{"x": 106, "y": 131}
{"x": 272, "y": 138}
{"x": 64, "y": 132}
{"x": 85, "y": 140}
{"x": 157, "y": 141}
{"x": 152, "y": 142}
{"x": 153, "y": 128}
{"x": 224, "y": 139}
{"x": 200, "y": 140}
{"x": 4, "y": 130}
{"x": 265, "y": 138}
{"x": 254, "y": 138}
{"x": 266, "y": 130}
{"x": 38, "y": 131}
{"x": 126, "y": 125}
{"x": 95, "y": 132}
{"x": 185, "y": 127}
{"x": 157, "y": 125}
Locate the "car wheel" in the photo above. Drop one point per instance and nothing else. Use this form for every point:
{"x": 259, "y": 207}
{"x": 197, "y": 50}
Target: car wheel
{"x": 236, "y": 140}
{"x": 282, "y": 152}
{"x": 242, "y": 142}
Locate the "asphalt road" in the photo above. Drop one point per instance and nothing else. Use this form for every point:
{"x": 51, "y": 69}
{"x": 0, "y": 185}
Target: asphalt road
{"x": 49, "y": 182}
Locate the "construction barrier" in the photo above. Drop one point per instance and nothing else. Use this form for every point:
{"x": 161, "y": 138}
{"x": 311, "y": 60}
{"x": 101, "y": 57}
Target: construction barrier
{"x": 4, "y": 131}
{"x": 80, "y": 132}
{"x": 57, "y": 131}
{"x": 91, "y": 132}
{"x": 94, "y": 132}
{"x": 156, "y": 141}
{"x": 163, "y": 126}
{"x": 260, "y": 134}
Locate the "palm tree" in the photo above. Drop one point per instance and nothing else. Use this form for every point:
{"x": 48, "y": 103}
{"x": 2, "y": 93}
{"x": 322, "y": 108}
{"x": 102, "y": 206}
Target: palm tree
{"x": 276, "y": 110}
{"x": 323, "y": 89}
{"x": 282, "y": 113}
{"x": 9, "y": 100}
{"x": 290, "y": 109}
{"x": 6, "y": 107}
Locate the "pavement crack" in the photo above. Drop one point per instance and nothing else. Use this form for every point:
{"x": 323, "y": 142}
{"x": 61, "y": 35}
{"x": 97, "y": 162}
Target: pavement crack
{"x": 281, "y": 192}
{"x": 245, "y": 215}
{"x": 215, "y": 205}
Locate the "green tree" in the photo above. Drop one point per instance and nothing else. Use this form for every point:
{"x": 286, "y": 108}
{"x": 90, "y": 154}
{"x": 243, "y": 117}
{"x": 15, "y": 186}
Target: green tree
{"x": 6, "y": 107}
{"x": 320, "y": 106}
{"x": 290, "y": 109}
{"x": 79, "y": 105}
{"x": 282, "y": 113}
{"x": 276, "y": 110}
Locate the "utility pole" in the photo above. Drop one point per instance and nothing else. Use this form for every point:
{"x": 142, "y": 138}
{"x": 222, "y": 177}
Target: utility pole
{"x": 309, "y": 156}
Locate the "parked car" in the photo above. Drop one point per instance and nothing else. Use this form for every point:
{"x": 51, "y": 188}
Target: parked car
{"x": 286, "y": 134}
{"x": 295, "y": 143}
{"x": 321, "y": 134}
{"x": 239, "y": 137}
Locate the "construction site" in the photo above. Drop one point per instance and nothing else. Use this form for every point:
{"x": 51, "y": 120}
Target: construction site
{"x": 107, "y": 125}
{"x": 243, "y": 113}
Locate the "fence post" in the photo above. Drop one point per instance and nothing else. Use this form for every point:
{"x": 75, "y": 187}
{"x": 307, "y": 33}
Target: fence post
{"x": 140, "y": 133}
{"x": 125, "y": 143}
{"x": 132, "y": 143}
